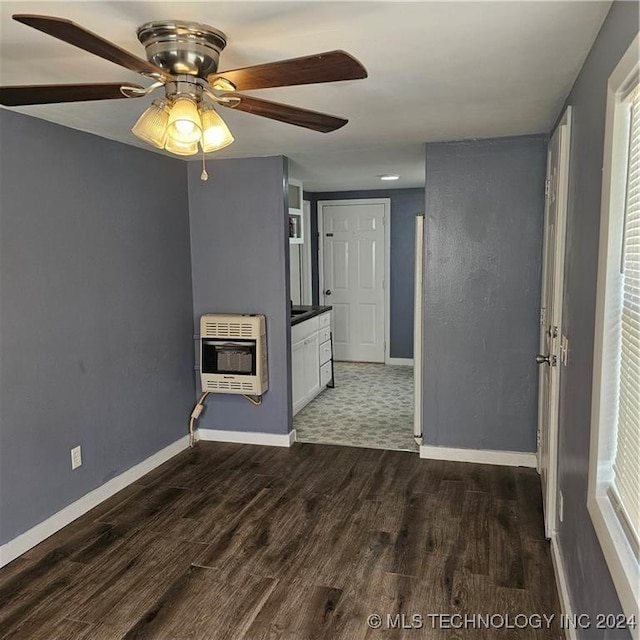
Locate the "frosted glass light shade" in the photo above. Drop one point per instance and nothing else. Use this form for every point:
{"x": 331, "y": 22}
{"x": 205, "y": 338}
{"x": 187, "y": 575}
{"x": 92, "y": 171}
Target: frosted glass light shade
{"x": 152, "y": 124}
{"x": 181, "y": 148}
{"x": 215, "y": 133}
{"x": 184, "y": 124}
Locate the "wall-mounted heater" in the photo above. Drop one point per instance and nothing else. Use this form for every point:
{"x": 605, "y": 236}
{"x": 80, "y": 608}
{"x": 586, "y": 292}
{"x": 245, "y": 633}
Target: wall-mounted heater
{"x": 233, "y": 354}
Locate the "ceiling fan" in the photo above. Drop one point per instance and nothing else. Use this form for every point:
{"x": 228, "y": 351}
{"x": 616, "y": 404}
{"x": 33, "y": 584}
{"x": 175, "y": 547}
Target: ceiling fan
{"x": 183, "y": 58}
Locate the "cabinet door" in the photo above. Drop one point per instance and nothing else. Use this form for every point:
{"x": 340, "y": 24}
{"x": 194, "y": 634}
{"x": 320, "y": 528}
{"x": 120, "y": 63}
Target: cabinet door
{"x": 298, "y": 385}
{"x": 312, "y": 366}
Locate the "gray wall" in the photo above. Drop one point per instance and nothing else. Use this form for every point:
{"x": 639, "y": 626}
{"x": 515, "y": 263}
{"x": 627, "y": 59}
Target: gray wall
{"x": 240, "y": 250}
{"x": 405, "y": 204}
{"x": 484, "y": 208}
{"x": 95, "y": 315}
{"x": 589, "y": 583}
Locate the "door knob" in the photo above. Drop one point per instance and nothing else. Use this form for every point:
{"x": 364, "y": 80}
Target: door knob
{"x": 540, "y": 359}
{"x": 327, "y": 292}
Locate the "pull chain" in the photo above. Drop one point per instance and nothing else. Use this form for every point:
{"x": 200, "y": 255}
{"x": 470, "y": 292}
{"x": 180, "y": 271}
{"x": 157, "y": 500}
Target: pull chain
{"x": 204, "y": 176}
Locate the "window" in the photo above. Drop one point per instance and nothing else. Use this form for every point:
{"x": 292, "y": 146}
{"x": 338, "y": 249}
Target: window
{"x": 614, "y": 474}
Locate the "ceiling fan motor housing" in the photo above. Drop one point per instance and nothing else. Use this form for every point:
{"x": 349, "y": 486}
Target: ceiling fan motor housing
{"x": 182, "y": 48}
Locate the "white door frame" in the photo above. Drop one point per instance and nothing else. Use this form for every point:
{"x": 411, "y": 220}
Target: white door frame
{"x": 418, "y": 328}
{"x": 387, "y": 255}
{"x": 550, "y": 432}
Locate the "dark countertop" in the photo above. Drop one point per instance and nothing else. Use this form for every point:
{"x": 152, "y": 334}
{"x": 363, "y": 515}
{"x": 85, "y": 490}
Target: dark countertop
{"x": 300, "y": 313}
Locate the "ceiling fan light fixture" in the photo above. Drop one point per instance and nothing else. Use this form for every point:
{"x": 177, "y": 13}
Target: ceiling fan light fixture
{"x": 215, "y": 133}
{"x": 181, "y": 148}
{"x": 184, "y": 126}
{"x": 183, "y": 57}
{"x": 151, "y": 126}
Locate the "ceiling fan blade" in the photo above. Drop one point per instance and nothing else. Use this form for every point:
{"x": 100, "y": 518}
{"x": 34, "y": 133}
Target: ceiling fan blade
{"x": 78, "y": 36}
{"x": 330, "y": 66}
{"x": 50, "y": 93}
{"x": 322, "y": 122}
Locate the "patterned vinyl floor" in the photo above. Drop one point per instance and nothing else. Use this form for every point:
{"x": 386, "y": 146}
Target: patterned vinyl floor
{"x": 371, "y": 406}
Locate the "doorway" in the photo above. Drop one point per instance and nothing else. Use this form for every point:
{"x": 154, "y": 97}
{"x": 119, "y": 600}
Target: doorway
{"x": 553, "y": 345}
{"x": 372, "y": 404}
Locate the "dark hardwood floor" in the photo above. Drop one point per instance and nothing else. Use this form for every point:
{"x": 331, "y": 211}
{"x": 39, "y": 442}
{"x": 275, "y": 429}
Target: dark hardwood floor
{"x": 239, "y": 542}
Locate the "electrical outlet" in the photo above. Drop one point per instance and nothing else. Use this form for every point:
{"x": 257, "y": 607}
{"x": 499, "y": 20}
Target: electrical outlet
{"x": 560, "y": 506}
{"x": 76, "y": 457}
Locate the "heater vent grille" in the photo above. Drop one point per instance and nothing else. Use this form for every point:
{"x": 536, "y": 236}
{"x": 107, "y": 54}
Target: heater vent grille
{"x": 225, "y": 385}
{"x": 214, "y": 329}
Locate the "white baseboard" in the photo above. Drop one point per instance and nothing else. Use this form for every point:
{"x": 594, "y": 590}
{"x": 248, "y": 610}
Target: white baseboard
{"x": 407, "y": 362}
{"x": 563, "y": 587}
{"x": 248, "y": 437}
{"x": 481, "y": 456}
{"x": 29, "y": 539}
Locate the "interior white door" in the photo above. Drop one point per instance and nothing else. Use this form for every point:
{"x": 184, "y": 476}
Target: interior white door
{"x": 353, "y": 247}
{"x": 549, "y": 356}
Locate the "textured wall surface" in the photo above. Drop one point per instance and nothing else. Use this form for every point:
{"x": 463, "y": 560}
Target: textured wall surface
{"x": 592, "y": 590}
{"x": 405, "y": 205}
{"x": 95, "y": 313}
{"x": 240, "y": 249}
{"x": 484, "y": 214}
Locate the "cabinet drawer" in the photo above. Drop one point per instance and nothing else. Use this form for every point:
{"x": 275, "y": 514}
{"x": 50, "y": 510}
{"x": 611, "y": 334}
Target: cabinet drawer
{"x": 325, "y": 319}
{"x": 325, "y": 334}
{"x": 325, "y": 374}
{"x": 304, "y": 329}
{"x": 325, "y": 352}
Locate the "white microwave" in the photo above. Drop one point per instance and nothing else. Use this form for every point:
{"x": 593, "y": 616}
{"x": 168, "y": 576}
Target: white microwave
{"x": 233, "y": 354}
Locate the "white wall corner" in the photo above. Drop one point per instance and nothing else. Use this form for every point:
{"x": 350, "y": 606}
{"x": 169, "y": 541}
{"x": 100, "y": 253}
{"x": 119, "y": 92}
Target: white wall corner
{"x": 480, "y": 456}
{"x": 29, "y": 539}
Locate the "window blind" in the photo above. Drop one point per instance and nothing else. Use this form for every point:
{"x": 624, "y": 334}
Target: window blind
{"x": 626, "y": 464}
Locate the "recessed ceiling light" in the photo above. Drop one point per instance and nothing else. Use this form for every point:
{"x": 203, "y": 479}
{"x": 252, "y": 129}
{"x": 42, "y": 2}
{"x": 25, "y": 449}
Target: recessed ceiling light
{"x": 389, "y": 177}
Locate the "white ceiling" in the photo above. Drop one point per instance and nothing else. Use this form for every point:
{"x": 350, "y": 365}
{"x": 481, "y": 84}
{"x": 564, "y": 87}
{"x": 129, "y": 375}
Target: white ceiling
{"x": 437, "y": 71}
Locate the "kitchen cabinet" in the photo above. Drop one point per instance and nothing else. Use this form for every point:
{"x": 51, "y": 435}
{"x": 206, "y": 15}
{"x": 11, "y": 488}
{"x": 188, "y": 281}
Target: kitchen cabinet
{"x": 311, "y": 359}
{"x": 296, "y": 230}
{"x": 306, "y": 367}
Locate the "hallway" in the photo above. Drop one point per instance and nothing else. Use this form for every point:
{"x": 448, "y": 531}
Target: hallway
{"x": 370, "y": 406}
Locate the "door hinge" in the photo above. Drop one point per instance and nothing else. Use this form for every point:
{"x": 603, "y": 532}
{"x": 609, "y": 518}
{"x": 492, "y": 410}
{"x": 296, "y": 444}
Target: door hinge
{"x": 543, "y": 316}
{"x": 564, "y": 350}
{"x": 547, "y": 187}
